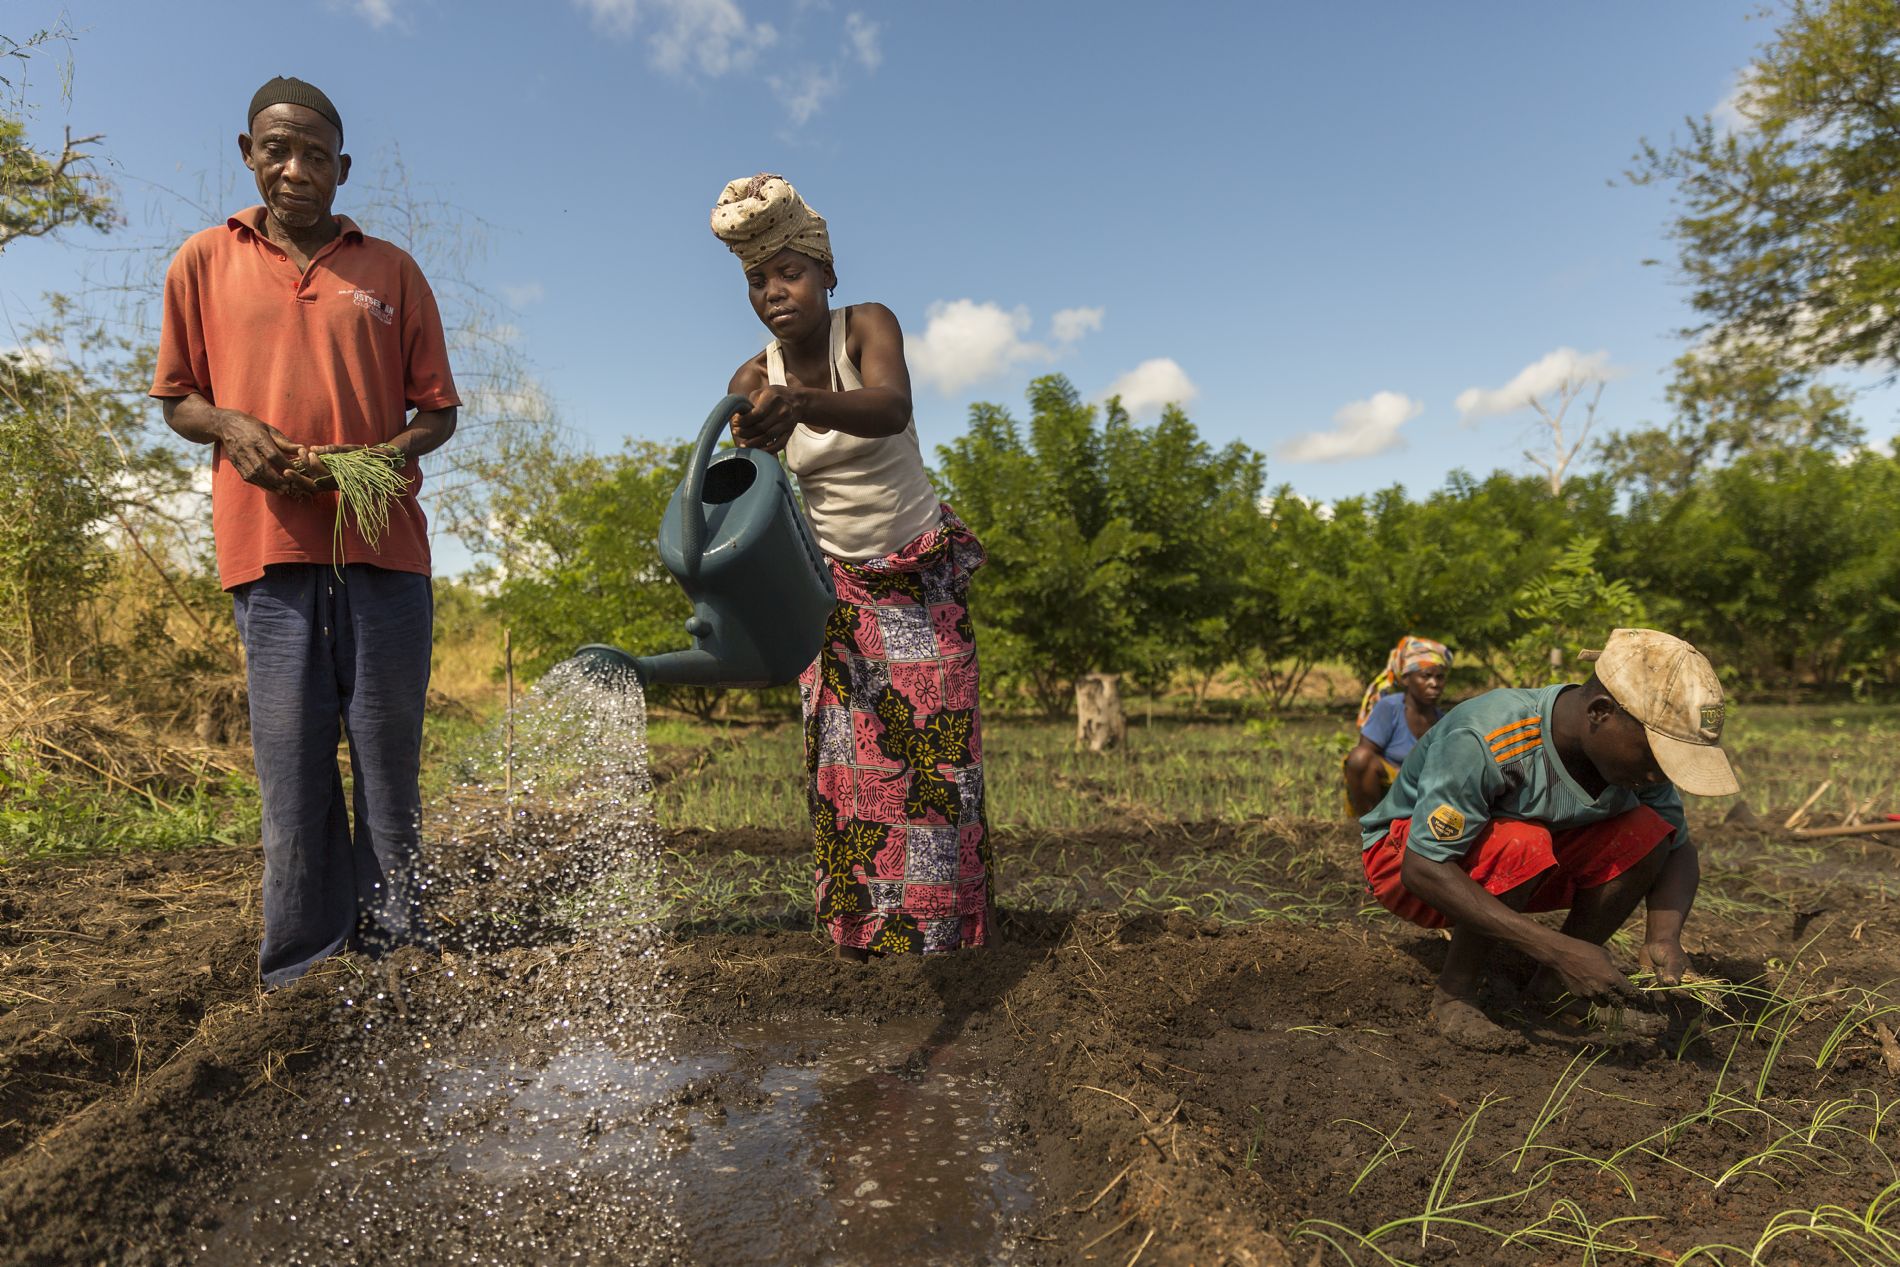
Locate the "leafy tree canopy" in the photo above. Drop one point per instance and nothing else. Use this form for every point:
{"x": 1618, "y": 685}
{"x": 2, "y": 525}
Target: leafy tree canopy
{"x": 1786, "y": 224}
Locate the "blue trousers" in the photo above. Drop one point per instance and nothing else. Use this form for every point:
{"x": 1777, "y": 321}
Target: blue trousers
{"x": 328, "y": 654}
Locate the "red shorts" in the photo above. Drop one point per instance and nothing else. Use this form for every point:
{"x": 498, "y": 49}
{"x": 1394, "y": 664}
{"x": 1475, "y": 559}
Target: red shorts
{"x": 1508, "y": 853}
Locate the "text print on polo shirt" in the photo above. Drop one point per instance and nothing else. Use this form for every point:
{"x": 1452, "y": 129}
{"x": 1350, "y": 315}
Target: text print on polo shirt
{"x": 367, "y": 300}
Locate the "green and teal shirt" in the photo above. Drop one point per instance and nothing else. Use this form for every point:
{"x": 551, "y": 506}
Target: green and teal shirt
{"x": 1487, "y": 760}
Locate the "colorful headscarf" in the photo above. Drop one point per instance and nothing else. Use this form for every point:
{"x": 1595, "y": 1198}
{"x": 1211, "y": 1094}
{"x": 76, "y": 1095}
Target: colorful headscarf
{"x": 1411, "y": 654}
{"x": 759, "y": 216}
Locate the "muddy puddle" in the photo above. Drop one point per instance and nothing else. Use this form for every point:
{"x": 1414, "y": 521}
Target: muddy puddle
{"x": 810, "y": 1141}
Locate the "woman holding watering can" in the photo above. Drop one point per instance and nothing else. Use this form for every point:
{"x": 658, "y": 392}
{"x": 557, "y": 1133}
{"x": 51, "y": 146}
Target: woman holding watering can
{"x": 893, "y": 736}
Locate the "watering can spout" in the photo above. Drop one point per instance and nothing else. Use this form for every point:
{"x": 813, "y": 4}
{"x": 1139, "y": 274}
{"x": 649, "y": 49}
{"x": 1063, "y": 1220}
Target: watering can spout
{"x": 738, "y": 544}
{"x": 611, "y": 666}
{"x": 691, "y": 667}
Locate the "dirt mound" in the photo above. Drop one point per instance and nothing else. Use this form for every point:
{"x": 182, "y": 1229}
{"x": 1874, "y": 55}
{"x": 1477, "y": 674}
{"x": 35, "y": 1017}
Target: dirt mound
{"x": 109, "y": 969}
{"x": 1188, "y": 1089}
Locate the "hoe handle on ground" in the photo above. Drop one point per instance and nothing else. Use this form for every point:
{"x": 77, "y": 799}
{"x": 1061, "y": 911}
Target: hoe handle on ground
{"x": 1852, "y": 829}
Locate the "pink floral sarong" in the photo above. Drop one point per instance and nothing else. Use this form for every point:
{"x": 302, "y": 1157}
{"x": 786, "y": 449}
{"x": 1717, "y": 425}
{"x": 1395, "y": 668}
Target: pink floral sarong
{"x": 894, "y": 748}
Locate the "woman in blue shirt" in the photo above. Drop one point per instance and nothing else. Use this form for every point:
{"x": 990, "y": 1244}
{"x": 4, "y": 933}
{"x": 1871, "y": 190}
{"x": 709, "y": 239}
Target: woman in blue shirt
{"x": 1391, "y": 724}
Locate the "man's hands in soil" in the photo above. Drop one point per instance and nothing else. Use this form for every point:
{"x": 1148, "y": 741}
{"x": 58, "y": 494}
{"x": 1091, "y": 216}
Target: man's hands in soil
{"x": 1587, "y": 972}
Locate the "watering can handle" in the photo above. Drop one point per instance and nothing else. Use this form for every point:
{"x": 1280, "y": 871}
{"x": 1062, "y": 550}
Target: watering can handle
{"x": 693, "y": 507}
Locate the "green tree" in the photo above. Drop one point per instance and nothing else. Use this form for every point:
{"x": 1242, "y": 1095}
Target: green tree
{"x": 1292, "y": 610}
{"x": 1060, "y": 595}
{"x": 1782, "y": 566}
{"x": 1786, "y": 228}
{"x": 42, "y": 191}
{"x": 1729, "y": 402}
{"x": 52, "y": 559}
{"x": 583, "y": 565}
{"x": 1199, "y": 508}
{"x": 1570, "y": 607}
{"x": 1114, "y": 547}
{"x": 1451, "y": 566}
{"x": 85, "y": 482}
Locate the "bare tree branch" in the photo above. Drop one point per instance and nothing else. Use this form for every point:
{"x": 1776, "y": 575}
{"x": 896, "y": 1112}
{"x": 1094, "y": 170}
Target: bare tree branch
{"x": 1561, "y": 449}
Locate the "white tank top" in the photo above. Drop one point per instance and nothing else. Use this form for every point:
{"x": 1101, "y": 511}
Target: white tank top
{"x": 866, "y": 496}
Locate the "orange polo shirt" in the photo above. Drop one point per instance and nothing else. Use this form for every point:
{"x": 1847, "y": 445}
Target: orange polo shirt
{"x": 337, "y": 354}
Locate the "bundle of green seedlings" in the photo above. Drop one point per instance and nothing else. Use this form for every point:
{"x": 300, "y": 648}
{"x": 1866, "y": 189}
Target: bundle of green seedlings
{"x": 367, "y": 484}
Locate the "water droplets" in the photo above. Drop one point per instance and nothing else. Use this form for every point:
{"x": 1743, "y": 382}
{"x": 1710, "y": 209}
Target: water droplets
{"x": 528, "y": 1097}
{"x": 488, "y": 1108}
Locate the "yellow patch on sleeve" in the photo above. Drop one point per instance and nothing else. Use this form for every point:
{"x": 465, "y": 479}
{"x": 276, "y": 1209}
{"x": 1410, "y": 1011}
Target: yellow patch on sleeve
{"x": 1446, "y": 823}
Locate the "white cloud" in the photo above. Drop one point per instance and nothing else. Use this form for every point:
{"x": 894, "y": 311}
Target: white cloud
{"x": 965, "y": 342}
{"x": 31, "y": 356}
{"x": 1069, "y": 325}
{"x": 1360, "y": 429}
{"x": 863, "y": 33}
{"x": 378, "y": 13}
{"x": 805, "y": 93}
{"x": 1155, "y": 383}
{"x": 1733, "y": 112}
{"x": 1565, "y": 365}
{"x": 524, "y": 294}
{"x": 712, "y": 37}
{"x": 526, "y": 399}
{"x": 188, "y": 509}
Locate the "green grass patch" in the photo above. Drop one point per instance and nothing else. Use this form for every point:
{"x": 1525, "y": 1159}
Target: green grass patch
{"x": 42, "y": 819}
{"x": 1205, "y": 771}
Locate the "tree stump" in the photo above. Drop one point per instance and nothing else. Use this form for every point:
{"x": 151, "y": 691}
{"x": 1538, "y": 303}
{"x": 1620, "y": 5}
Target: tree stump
{"x": 1099, "y": 722}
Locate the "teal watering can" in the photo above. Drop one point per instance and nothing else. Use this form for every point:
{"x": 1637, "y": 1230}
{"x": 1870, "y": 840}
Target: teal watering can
{"x": 737, "y": 543}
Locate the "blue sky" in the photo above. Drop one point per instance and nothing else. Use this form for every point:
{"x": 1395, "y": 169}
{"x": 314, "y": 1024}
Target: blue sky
{"x": 1321, "y": 224}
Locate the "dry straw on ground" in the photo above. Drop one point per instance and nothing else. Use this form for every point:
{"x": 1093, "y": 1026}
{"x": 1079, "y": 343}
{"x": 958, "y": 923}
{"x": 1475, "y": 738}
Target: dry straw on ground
{"x": 81, "y": 736}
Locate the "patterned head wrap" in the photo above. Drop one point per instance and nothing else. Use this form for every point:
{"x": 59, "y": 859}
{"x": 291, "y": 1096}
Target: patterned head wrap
{"x": 759, "y": 216}
{"x": 1412, "y": 653}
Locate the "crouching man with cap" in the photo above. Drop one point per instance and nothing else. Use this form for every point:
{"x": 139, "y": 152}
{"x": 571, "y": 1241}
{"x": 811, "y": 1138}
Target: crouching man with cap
{"x": 1560, "y": 797}
{"x": 290, "y": 335}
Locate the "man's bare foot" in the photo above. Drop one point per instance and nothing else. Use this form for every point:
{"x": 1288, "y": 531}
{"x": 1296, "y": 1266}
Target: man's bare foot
{"x": 1463, "y": 1022}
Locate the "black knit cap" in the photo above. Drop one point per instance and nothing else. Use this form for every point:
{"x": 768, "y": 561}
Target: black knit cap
{"x": 283, "y": 91}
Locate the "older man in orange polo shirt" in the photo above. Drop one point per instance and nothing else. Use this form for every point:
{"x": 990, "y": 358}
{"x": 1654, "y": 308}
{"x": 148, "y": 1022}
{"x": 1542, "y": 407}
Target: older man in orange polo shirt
{"x": 289, "y": 334}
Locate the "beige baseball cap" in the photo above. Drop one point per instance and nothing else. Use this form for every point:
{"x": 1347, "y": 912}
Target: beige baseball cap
{"x": 1671, "y": 688}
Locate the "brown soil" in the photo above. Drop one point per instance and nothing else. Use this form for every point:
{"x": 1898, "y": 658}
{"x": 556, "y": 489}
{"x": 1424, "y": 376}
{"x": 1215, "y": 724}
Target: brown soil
{"x": 1186, "y": 1090}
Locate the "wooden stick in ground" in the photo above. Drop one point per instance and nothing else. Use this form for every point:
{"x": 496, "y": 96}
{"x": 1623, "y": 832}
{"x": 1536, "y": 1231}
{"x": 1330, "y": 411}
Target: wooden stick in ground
{"x": 1795, "y": 819}
{"x": 508, "y": 763}
{"x": 1849, "y": 829}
